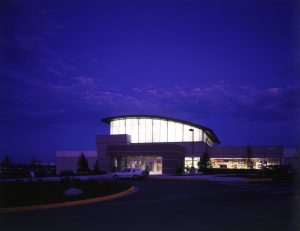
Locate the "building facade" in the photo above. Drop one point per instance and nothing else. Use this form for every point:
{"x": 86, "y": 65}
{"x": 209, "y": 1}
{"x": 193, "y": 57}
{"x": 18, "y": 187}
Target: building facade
{"x": 165, "y": 145}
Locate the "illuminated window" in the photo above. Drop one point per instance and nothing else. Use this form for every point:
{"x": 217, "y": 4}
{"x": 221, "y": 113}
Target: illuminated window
{"x": 196, "y": 134}
{"x": 159, "y": 166}
{"x": 178, "y": 132}
{"x": 128, "y": 126}
{"x": 156, "y": 130}
{"x": 204, "y": 137}
{"x": 142, "y": 131}
{"x": 171, "y": 132}
{"x": 134, "y": 130}
{"x": 149, "y": 129}
{"x": 187, "y": 134}
{"x": 114, "y": 127}
{"x": 188, "y": 161}
{"x": 163, "y": 131}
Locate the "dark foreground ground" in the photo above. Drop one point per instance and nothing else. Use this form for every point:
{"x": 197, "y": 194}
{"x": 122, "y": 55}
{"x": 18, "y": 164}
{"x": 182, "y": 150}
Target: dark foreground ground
{"x": 20, "y": 193}
{"x": 176, "y": 205}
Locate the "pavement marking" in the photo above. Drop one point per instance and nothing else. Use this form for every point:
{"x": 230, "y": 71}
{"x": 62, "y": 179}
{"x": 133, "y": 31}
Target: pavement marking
{"x": 249, "y": 186}
{"x": 161, "y": 199}
{"x": 284, "y": 191}
{"x": 70, "y": 203}
{"x": 265, "y": 189}
{"x": 214, "y": 178}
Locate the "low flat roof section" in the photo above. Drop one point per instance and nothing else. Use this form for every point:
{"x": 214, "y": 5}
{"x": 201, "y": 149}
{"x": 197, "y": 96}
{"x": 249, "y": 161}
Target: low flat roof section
{"x": 240, "y": 151}
{"x": 87, "y": 153}
{"x": 146, "y": 149}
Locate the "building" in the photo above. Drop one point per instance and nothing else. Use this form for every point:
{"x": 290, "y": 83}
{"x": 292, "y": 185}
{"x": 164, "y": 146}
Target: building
{"x": 66, "y": 161}
{"x": 165, "y": 145}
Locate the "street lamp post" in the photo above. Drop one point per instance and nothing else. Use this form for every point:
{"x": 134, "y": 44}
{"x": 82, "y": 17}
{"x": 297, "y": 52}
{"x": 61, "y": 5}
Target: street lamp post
{"x": 193, "y": 147}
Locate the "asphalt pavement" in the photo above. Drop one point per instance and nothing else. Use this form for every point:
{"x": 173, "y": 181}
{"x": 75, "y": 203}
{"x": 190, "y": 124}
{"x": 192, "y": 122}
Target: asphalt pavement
{"x": 171, "y": 204}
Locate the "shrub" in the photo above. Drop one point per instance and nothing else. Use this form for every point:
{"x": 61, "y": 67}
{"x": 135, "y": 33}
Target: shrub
{"x": 66, "y": 173}
{"x": 179, "y": 170}
{"x": 82, "y": 165}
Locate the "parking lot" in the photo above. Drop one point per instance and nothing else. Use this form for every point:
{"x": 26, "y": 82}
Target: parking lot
{"x": 166, "y": 204}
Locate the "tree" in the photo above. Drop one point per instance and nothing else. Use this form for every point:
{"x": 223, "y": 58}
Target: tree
{"x": 33, "y": 161}
{"x": 82, "y": 164}
{"x": 96, "y": 166}
{"x": 204, "y": 162}
{"x": 249, "y": 156}
{"x": 6, "y": 162}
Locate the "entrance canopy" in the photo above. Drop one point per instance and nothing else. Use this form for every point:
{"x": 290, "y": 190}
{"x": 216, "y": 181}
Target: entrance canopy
{"x": 168, "y": 156}
{"x": 165, "y": 150}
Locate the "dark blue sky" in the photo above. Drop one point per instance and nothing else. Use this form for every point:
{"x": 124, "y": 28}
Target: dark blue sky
{"x": 232, "y": 66}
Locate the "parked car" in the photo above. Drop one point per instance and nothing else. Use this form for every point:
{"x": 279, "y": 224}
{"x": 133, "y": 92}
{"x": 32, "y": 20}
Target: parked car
{"x": 135, "y": 173}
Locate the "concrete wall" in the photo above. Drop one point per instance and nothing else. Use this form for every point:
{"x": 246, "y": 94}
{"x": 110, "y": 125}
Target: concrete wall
{"x": 170, "y": 164}
{"x": 67, "y": 160}
{"x": 292, "y": 157}
{"x": 199, "y": 148}
{"x": 102, "y": 141}
{"x": 172, "y": 153}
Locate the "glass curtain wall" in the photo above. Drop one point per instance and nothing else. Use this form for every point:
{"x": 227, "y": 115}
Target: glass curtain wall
{"x": 188, "y": 162}
{"x": 149, "y": 130}
{"x": 154, "y": 163}
{"x": 240, "y": 163}
{"x": 232, "y": 163}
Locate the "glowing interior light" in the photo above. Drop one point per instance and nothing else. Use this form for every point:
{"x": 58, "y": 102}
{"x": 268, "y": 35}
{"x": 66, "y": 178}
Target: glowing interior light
{"x": 152, "y": 130}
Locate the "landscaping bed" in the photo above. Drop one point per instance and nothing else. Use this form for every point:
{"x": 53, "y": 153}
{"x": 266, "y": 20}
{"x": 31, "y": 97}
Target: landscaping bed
{"x": 248, "y": 176}
{"x": 20, "y": 193}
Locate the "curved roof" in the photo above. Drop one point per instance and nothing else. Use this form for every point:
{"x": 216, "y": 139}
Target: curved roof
{"x": 207, "y": 130}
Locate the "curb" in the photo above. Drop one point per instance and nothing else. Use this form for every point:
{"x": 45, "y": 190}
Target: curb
{"x": 211, "y": 179}
{"x": 263, "y": 179}
{"x": 70, "y": 203}
{"x": 180, "y": 178}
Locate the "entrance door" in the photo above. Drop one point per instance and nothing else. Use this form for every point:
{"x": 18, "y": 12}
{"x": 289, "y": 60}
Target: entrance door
{"x": 153, "y": 162}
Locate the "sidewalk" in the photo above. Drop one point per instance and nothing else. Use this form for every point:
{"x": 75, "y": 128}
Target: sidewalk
{"x": 57, "y": 178}
{"x": 214, "y": 177}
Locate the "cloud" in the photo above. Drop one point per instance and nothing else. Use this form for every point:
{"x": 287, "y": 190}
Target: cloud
{"x": 40, "y": 87}
{"x": 68, "y": 97}
{"x": 26, "y": 32}
{"x": 244, "y": 102}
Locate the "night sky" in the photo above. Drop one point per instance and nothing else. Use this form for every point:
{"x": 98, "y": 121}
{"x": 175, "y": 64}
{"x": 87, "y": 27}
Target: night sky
{"x": 232, "y": 66}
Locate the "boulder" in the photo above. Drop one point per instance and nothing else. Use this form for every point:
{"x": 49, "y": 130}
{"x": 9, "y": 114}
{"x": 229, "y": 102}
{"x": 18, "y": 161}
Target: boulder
{"x": 72, "y": 192}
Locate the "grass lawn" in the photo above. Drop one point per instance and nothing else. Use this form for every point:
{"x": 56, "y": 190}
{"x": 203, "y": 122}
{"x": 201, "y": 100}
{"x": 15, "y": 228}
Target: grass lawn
{"x": 19, "y": 193}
